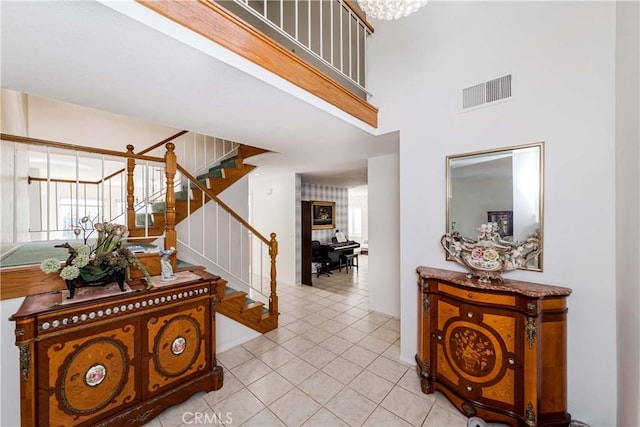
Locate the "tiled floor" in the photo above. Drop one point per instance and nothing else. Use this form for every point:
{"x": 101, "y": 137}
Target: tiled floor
{"x": 332, "y": 362}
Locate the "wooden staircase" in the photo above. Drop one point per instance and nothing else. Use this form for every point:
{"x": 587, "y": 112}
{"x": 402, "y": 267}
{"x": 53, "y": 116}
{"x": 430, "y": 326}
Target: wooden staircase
{"x": 231, "y": 303}
{"x": 237, "y": 306}
{"x": 217, "y": 179}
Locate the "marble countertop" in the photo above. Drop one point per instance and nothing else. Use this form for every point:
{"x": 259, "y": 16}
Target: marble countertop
{"x": 525, "y": 288}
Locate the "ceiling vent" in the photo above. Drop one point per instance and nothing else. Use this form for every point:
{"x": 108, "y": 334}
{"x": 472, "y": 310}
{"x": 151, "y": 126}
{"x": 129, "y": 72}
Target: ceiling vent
{"x": 487, "y": 92}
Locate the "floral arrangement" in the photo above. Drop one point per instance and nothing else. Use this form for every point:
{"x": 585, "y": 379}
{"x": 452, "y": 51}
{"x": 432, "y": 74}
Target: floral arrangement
{"x": 96, "y": 262}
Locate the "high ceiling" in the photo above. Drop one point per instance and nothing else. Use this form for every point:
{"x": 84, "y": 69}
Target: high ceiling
{"x": 89, "y": 54}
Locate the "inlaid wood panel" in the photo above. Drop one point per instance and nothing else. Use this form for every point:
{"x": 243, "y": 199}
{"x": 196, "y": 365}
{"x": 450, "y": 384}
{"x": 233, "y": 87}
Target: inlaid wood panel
{"x": 119, "y": 359}
{"x": 177, "y": 344}
{"x": 497, "y": 351}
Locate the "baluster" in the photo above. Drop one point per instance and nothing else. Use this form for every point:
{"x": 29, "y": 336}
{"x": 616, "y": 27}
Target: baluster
{"x": 170, "y": 238}
{"x": 273, "y": 297}
{"x": 131, "y": 165}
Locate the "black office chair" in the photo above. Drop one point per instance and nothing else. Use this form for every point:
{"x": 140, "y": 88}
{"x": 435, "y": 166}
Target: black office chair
{"x": 320, "y": 258}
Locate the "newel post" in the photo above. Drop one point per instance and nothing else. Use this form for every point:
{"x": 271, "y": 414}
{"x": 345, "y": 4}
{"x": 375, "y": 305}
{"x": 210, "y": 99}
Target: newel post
{"x": 170, "y": 237}
{"x": 273, "y": 297}
{"x": 131, "y": 212}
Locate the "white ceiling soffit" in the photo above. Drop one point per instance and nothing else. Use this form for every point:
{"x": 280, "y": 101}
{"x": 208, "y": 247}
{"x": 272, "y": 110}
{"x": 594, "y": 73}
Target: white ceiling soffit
{"x": 89, "y": 54}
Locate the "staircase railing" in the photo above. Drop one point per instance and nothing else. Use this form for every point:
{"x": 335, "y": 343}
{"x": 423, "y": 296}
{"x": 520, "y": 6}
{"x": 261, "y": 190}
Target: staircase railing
{"x": 256, "y": 253}
{"x": 126, "y": 189}
{"x": 56, "y": 205}
{"x": 332, "y": 32}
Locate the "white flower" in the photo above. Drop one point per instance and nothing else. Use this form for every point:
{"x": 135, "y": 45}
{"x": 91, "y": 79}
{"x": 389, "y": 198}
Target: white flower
{"x": 50, "y": 265}
{"x": 81, "y": 260}
{"x": 70, "y": 272}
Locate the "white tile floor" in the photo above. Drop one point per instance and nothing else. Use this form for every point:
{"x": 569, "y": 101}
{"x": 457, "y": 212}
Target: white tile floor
{"x": 332, "y": 362}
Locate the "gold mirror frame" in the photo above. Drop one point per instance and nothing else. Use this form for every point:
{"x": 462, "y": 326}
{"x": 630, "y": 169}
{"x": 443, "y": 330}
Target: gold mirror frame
{"x": 507, "y": 217}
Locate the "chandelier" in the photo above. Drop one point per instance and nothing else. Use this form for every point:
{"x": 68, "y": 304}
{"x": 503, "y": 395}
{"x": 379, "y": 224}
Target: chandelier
{"x": 389, "y": 9}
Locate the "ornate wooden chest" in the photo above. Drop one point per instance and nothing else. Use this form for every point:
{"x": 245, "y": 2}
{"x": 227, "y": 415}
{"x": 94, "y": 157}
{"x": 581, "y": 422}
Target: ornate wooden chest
{"x": 496, "y": 350}
{"x": 119, "y": 359}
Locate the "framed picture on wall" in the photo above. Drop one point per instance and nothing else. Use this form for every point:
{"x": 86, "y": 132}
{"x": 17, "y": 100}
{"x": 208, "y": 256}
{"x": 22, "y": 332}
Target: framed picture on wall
{"x": 323, "y": 215}
{"x": 504, "y": 219}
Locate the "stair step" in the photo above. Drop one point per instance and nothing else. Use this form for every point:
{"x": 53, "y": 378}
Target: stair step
{"x": 215, "y": 172}
{"x": 229, "y": 163}
{"x": 183, "y": 264}
{"x": 202, "y": 181}
{"x": 158, "y": 207}
{"x": 182, "y": 195}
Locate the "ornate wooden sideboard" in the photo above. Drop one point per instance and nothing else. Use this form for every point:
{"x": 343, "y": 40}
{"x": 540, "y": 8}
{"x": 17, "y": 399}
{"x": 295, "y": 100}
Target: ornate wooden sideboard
{"x": 496, "y": 350}
{"x": 116, "y": 360}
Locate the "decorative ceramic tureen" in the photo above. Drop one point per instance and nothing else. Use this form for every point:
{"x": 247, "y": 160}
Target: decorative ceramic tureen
{"x": 489, "y": 256}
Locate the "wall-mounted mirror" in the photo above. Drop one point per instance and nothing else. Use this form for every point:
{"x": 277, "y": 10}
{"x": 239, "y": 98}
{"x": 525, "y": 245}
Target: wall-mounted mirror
{"x": 503, "y": 186}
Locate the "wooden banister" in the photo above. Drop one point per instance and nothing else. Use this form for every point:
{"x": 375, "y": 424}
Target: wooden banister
{"x": 164, "y": 141}
{"x": 64, "y": 181}
{"x": 271, "y": 243}
{"x": 66, "y": 146}
{"x": 273, "y": 253}
{"x": 356, "y": 10}
{"x": 131, "y": 211}
{"x": 230, "y": 211}
{"x": 170, "y": 235}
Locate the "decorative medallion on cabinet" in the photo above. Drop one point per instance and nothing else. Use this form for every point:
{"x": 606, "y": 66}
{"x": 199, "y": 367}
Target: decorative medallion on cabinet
{"x": 496, "y": 350}
{"x": 117, "y": 360}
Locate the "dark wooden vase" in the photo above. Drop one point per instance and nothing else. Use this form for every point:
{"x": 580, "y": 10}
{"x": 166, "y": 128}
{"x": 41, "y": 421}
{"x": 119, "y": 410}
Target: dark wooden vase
{"x": 117, "y": 275}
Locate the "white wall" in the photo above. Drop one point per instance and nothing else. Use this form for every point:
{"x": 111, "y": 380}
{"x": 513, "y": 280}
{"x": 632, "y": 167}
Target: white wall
{"x": 384, "y": 235}
{"x": 628, "y": 210}
{"x": 230, "y": 333}
{"x": 60, "y": 121}
{"x": 14, "y": 171}
{"x": 359, "y": 199}
{"x": 561, "y": 55}
{"x": 9, "y": 365}
{"x": 273, "y": 209}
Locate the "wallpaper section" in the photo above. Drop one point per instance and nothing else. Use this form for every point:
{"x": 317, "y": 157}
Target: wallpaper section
{"x": 325, "y": 193}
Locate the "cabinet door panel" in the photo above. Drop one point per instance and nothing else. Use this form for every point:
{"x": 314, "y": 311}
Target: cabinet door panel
{"x": 475, "y": 351}
{"x": 82, "y": 379}
{"x": 177, "y": 345}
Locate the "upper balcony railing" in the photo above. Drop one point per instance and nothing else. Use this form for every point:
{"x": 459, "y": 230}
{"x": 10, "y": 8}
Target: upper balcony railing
{"x": 329, "y": 33}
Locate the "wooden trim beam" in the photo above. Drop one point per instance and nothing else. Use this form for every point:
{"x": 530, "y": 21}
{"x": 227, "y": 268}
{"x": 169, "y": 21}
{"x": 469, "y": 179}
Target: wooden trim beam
{"x": 64, "y": 145}
{"x": 214, "y": 22}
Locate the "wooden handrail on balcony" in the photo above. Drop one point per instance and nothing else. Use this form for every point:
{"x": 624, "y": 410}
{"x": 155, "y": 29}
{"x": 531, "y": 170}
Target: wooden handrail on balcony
{"x": 215, "y": 23}
{"x": 356, "y": 10}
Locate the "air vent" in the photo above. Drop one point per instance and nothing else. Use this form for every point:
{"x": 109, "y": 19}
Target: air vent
{"x": 487, "y": 92}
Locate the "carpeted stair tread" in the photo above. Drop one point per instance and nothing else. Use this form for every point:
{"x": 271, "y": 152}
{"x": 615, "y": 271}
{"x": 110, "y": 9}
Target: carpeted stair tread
{"x": 158, "y": 207}
{"x": 182, "y": 195}
{"x": 183, "y": 264}
{"x": 215, "y": 172}
{"x": 229, "y": 163}
{"x": 202, "y": 181}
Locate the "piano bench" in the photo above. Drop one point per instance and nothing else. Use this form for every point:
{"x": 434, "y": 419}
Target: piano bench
{"x": 350, "y": 260}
